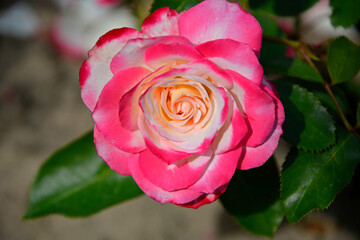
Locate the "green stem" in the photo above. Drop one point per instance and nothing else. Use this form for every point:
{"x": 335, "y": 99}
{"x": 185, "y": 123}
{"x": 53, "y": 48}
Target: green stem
{"x": 328, "y": 90}
{"x": 285, "y": 41}
{"x": 341, "y": 113}
{"x": 308, "y": 60}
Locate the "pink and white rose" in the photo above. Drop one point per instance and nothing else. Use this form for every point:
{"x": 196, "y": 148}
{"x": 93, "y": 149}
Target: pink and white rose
{"x": 182, "y": 104}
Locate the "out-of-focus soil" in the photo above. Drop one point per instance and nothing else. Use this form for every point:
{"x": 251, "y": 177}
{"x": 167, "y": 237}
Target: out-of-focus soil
{"x": 41, "y": 110}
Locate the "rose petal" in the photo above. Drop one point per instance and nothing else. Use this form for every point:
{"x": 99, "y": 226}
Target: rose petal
{"x": 133, "y": 53}
{"x": 233, "y": 131}
{"x": 175, "y": 176}
{"x": 205, "y": 198}
{"x": 170, "y": 54}
{"x": 162, "y": 22}
{"x": 257, "y": 105}
{"x": 186, "y": 141}
{"x": 106, "y": 113}
{"x": 177, "y": 197}
{"x": 159, "y": 137}
{"x": 257, "y": 156}
{"x": 219, "y": 172}
{"x": 159, "y": 146}
{"x": 129, "y": 102}
{"x": 129, "y": 110}
{"x": 211, "y": 71}
{"x": 219, "y": 19}
{"x": 229, "y": 54}
{"x": 95, "y": 71}
{"x": 114, "y": 157}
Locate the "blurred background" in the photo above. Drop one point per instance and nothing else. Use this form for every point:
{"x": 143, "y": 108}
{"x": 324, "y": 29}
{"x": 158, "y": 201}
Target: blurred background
{"x": 42, "y": 46}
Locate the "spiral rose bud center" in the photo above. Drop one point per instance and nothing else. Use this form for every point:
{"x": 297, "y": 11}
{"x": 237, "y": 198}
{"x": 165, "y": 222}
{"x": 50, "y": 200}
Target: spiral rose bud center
{"x": 179, "y": 105}
{"x": 183, "y": 105}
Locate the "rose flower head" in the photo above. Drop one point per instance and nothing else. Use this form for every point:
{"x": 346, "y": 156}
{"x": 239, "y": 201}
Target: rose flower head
{"x": 182, "y": 104}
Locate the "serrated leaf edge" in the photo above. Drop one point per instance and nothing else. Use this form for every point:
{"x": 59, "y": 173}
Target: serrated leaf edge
{"x": 317, "y": 101}
{"x": 281, "y": 187}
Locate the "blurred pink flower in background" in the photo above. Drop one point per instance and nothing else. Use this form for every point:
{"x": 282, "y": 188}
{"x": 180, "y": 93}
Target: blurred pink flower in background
{"x": 315, "y": 25}
{"x": 80, "y": 23}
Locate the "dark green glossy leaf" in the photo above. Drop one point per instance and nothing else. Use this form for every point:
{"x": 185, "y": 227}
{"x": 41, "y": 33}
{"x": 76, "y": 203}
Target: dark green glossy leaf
{"x": 358, "y": 115}
{"x": 343, "y": 60}
{"x": 352, "y": 88}
{"x": 271, "y": 51}
{"x": 307, "y": 123}
{"x": 268, "y": 24}
{"x": 289, "y": 8}
{"x": 263, "y": 5}
{"x": 252, "y": 199}
{"x": 76, "y": 182}
{"x": 272, "y": 56}
{"x": 345, "y": 13}
{"x": 293, "y": 68}
{"x": 312, "y": 180}
{"x": 178, "y": 5}
{"x": 327, "y": 102}
{"x": 281, "y": 7}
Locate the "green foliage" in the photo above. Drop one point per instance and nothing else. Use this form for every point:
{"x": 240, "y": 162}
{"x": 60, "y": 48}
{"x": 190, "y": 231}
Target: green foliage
{"x": 293, "y": 68}
{"x": 312, "y": 180}
{"x": 328, "y": 103}
{"x": 288, "y": 8}
{"x": 343, "y": 60}
{"x": 282, "y": 7}
{"x": 345, "y": 13}
{"x": 307, "y": 123}
{"x": 268, "y": 24}
{"x": 252, "y": 199}
{"x": 76, "y": 182}
{"x": 271, "y": 51}
{"x": 178, "y": 5}
{"x": 273, "y": 54}
{"x": 358, "y": 115}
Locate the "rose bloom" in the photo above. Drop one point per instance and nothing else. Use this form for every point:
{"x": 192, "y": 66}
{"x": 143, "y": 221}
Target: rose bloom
{"x": 182, "y": 104}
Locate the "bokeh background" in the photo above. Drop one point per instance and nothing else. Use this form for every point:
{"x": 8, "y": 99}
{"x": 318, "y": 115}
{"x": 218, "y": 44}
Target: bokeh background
{"x": 42, "y": 46}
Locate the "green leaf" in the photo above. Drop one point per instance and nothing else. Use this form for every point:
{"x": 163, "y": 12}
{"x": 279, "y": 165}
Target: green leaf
{"x": 268, "y": 24}
{"x": 345, "y": 13}
{"x": 312, "y": 180}
{"x": 252, "y": 199}
{"x": 358, "y": 115}
{"x": 178, "y": 5}
{"x": 269, "y": 52}
{"x": 76, "y": 182}
{"x": 293, "y": 68}
{"x": 307, "y": 123}
{"x": 263, "y": 5}
{"x": 343, "y": 60}
{"x": 281, "y": 7}
{"x": 327, "y": 102}
{"x": 273, "y": 60}
{"x": 352, "y": 88}
{"x": 290, "y": 8}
